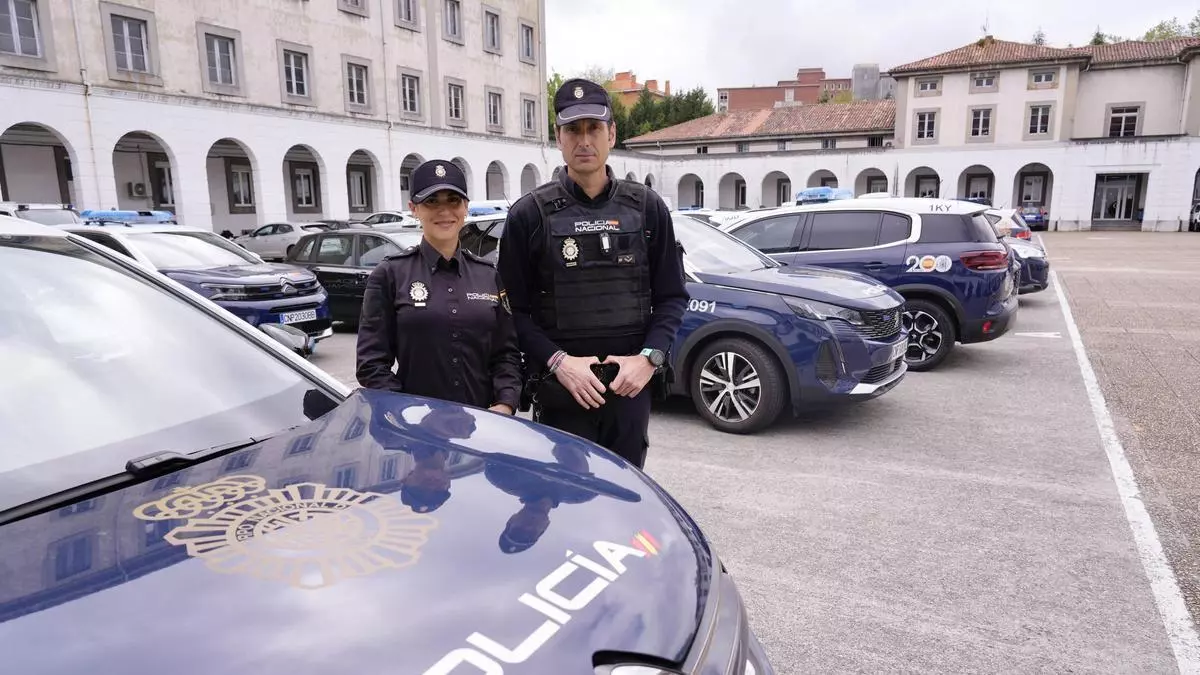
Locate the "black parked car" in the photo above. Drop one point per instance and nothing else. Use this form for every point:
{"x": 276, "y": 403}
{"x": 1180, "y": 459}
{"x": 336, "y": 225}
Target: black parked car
{"x": 343, "y": 259}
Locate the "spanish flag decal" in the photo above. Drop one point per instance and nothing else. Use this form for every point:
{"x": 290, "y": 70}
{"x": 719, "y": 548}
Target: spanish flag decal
{"x": 643, "y": 541}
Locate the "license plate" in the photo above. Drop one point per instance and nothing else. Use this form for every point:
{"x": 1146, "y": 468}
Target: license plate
{"x": 898, "y": 350}
{"x": 297, "y": 317}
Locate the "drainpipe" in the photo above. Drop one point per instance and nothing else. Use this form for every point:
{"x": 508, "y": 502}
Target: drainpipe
{"x": 387, "y": 111}
{"x": 87, "y": 104}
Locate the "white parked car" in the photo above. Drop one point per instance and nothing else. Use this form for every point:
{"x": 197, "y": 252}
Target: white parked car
{"x": 275, "y": 240}
{"x": 390, "y": 219}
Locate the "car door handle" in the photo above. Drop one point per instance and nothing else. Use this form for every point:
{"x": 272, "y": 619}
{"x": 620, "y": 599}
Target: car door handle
{"x": 875, "y": 266}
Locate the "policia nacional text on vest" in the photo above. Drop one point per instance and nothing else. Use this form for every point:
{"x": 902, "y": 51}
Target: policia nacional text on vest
{"x": 594, "y": 278}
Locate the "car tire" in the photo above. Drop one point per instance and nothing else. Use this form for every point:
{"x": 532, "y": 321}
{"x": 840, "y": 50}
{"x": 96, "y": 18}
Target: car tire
{"x": 750, "y": 361}
{"x": 929, "y": 327}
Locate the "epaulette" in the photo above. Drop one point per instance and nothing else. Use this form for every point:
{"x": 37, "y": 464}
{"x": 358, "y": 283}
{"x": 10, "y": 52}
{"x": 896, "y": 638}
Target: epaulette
{"x": 477, "y": 258}
{"x": 405, "y": 253}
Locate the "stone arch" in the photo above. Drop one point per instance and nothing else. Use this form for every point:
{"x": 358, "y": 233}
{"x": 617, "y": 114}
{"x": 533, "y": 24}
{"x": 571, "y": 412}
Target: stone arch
{"x": 977, "y": 183}
{"x": 145, "y": 173}
{"x": 48, "y": 165}
{"x": 305, "y": 183}
{"x": 236, "y": 197}
{"x": 871, "y": 180}
{"x": 409, "y": 164}
{"x": 731, "y": 191}
{"x": 530, "y": 178}
{"x": 1033, "y": 186}
{"x": 690, "y": 191}
{"x": 822, "y": 178}
{"x": 497, "y": 180}
{"x": 776, "y": 189}
{"x": 363, "y": 193}
{"x": 922, "y": 182}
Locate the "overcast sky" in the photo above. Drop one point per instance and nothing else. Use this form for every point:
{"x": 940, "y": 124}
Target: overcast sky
{"x": 730, "y": 43}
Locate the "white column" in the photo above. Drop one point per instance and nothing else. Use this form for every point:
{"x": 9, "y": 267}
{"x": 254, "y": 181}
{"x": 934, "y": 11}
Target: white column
{"x": 189, "y": 182}
{"x": 270, "y": 190}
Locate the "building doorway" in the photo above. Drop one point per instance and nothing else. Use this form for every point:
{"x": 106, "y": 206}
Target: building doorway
{"x": 1117, "y": 197}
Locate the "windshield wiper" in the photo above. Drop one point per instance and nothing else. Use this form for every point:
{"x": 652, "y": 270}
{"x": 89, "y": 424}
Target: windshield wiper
{"x": 136, "y": 470}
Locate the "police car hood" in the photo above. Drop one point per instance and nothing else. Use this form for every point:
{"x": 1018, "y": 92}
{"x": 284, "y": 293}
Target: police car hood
{"x": 848, "y": 289}
{"x": 388, "y": 536}
{"x": 249, "y": 274}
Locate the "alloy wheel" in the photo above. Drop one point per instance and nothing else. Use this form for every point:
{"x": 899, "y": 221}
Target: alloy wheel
{"x": 924, "y": 335}
{"x": 730, "y": 387}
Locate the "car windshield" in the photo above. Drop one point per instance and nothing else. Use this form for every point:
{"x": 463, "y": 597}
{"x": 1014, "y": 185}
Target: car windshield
{"x": 711, "y": 251}
{"x": 100, "y": 365}
{"x": 176, "y": 250}
{"x": 51, "y": 216}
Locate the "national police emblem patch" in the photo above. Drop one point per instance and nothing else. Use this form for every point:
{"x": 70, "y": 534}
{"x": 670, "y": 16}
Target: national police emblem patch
{"x": 419, "y": 293}
{"x": 570, "y": 250}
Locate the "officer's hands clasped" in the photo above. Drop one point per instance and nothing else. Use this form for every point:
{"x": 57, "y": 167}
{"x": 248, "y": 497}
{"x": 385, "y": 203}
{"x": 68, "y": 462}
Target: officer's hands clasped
{"x": 575, "y": 374}
{"x": 634, "y": 374}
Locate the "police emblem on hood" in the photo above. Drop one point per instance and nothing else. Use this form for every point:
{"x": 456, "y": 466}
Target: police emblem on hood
{"x": 307, "y": 535}
{"x": 570, "y": 250}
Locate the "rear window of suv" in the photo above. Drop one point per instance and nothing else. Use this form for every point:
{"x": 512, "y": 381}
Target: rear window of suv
{"x": 945, "y": 228}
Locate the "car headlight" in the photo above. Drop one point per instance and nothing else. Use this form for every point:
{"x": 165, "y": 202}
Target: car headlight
{"x": 224, "y": 292}
{"x": 821, "y": 311}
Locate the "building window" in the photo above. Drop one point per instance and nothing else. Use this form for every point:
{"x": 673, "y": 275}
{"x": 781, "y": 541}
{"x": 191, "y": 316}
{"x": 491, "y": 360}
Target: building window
{"x": 452, "y": 21}
{"x": 406, "y": 14}
{"x": 295, "y": 73}
{"x": 240, "y": 182}
{"x": 929, "y": 86}
{"x": 926, "y": 126}
{"x": 701, "y": 149}
{"x": 495, "y": 111}
{"x": 73, "y": 556}
{"x": 1039, "y": 120}
{"x": 984, "y": 82}
{"x": 306, "y": 198}
{"x": 410, "y": 94}
{"x": 220, "y": 60}
{"x": 739, "y": 193}
{"x": 743, "y": 146}
{"x": 358, "y": 190}
{"x": 456, "y": 112}
{"x": 528, "y": 115}
{"x": 528, "y": 44}
{"x": 828, "y": 143}
{"x": 981, "y": 123}
{"x": 1123, "y": 121}
{"x": 129, "y": 44}
{"x": 491, "y": 31}
{"x": 1043, "y": 77}
{"x": 357, "y": 74}
{"x": 358, "y": 7}
{"x": 782, "y": 146}
{"x": 722, "y": 101}
{"x": 875, "y": 142}
{"x": 20, "y": 33}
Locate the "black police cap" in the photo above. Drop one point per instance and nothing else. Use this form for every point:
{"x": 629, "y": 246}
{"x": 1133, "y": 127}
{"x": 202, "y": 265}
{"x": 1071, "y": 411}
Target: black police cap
{"x": 433, "y": 177}
{"x": 579, "y": 99}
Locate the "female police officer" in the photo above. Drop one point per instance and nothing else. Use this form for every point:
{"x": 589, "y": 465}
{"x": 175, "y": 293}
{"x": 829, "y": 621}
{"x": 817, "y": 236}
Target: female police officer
{"x": 434, "y": 311}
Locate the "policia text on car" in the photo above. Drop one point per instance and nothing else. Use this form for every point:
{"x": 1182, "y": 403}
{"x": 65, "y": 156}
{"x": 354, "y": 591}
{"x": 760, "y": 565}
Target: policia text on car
{"x": 594, "y": 276}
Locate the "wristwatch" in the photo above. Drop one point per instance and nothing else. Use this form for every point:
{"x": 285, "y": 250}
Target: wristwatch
{"x": 656, "y": 356}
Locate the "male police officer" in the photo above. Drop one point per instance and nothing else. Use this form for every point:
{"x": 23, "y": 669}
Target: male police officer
{"x": 593, "y": 275}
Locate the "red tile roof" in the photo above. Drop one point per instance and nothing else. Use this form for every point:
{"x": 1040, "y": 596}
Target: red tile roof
{"x": 822, "y": 118}
{"x": 989, "y": 52}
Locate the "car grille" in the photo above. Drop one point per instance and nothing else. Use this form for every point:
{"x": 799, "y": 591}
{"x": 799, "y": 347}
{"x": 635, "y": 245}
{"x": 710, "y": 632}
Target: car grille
{"x": 881, "y": 373}
{"x": 280, "y": 309}
{"x": 276, "y": 291}
{"x": 880, "y": 324}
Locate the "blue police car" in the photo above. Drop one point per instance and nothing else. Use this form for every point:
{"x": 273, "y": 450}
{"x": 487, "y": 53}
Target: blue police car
{"x": 942, "y": 255}
{"x": 258, "y": 292}
{"x": 760, "y": 338}
{"x": 172, "y": 474}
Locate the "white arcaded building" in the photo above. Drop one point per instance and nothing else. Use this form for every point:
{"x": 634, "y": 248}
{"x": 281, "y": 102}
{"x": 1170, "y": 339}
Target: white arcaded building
{"x": 234, "y": 114}
{"x": 1103, "y": 136}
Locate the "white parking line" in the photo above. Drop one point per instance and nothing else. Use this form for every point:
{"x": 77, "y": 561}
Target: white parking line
{"x": 1181, "y": 632}
{"x": 1047, "y": 334}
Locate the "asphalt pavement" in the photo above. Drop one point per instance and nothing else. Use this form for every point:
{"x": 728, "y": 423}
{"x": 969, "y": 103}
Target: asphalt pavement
{"x": 968, "y": 521}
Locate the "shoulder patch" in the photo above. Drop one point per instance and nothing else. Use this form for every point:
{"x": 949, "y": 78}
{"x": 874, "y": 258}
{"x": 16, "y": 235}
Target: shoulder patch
{"x": 405, "y": 253}
{"x": 477, "y": 258}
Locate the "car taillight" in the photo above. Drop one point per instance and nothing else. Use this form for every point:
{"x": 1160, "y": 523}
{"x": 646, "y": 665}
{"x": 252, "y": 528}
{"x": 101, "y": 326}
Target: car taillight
{"x": 1023, "y": 234}
{"x": 985, "y": 260}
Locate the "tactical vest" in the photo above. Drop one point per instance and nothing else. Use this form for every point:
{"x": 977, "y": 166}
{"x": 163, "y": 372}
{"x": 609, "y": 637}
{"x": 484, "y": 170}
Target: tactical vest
{"x": 595, "y": 273}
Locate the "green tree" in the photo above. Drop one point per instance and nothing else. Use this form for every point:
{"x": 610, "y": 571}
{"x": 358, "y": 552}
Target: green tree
{"x": 1165, "y": 30}
{"x": 1039, "y": 37}
{"x": 1098, "y": 38}
{"x": 1194, "y": 25}
{"x": 552, "y": 84}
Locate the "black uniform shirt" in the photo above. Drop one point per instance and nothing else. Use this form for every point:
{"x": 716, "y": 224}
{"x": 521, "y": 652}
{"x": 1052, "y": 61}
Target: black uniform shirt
{"x": 522, "y": 246}
{"x": 444, "y": 325}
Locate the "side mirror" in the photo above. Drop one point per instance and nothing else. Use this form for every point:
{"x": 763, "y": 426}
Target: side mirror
{"x": 289, "y": 336}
